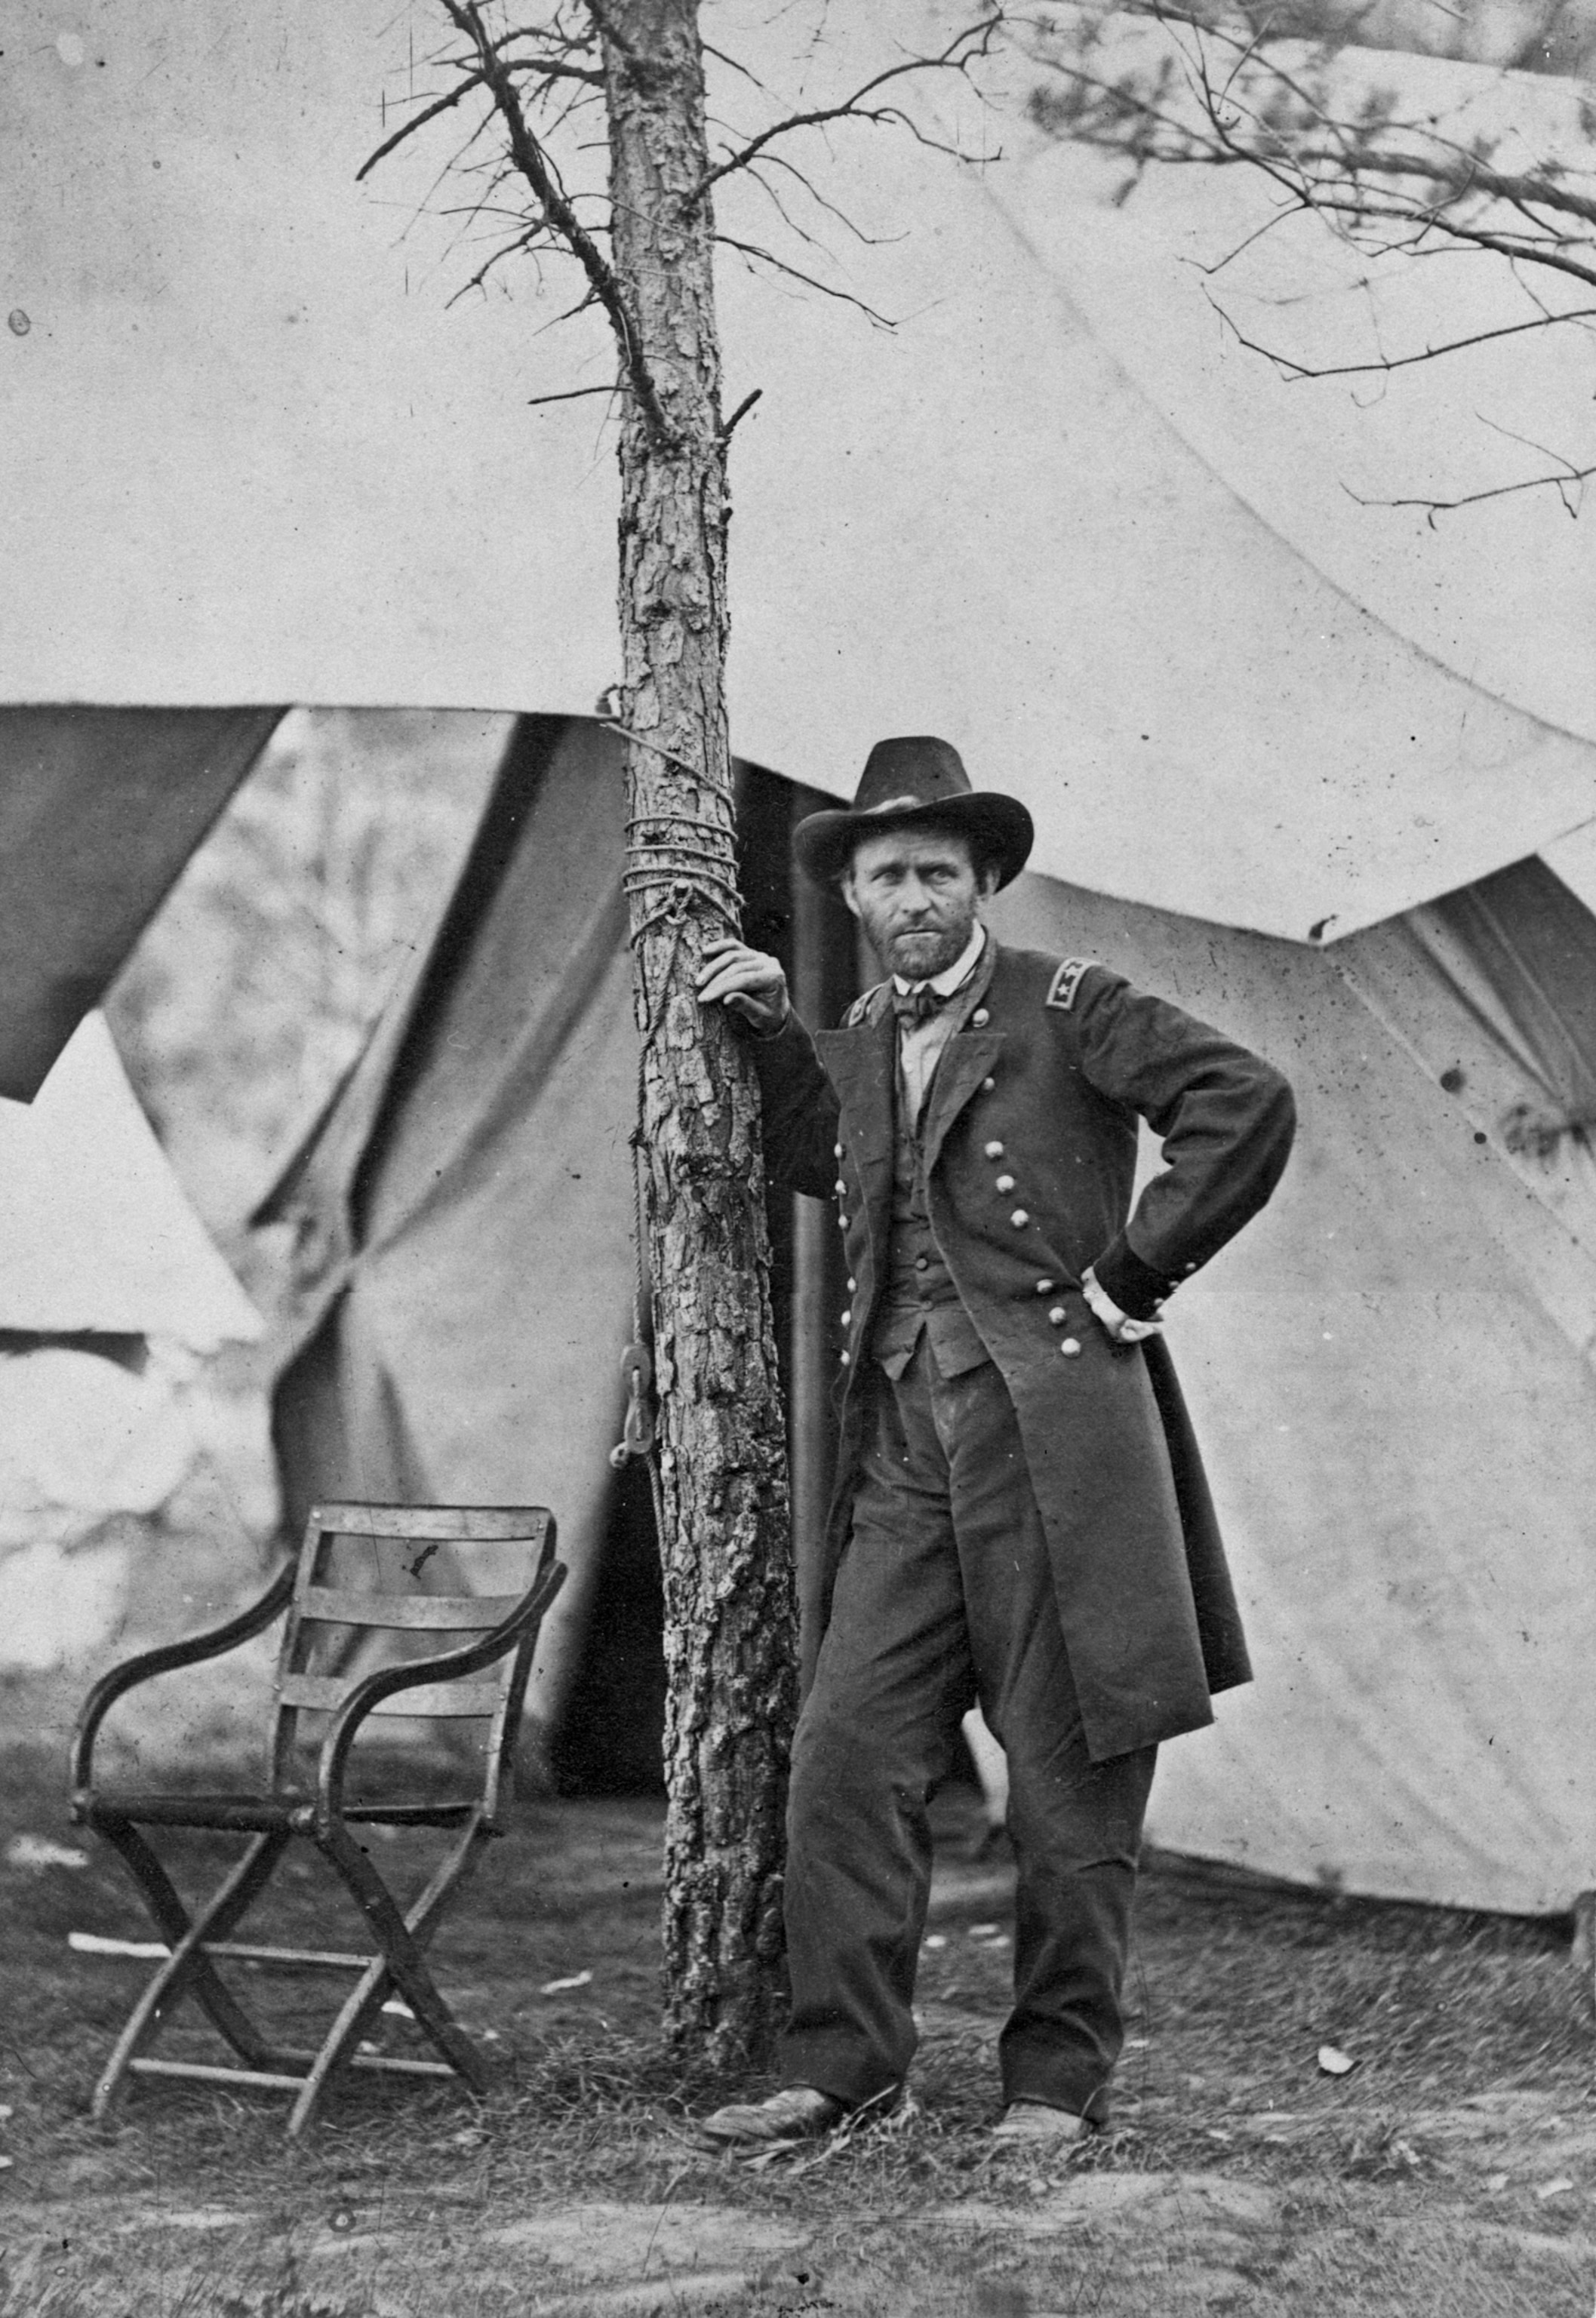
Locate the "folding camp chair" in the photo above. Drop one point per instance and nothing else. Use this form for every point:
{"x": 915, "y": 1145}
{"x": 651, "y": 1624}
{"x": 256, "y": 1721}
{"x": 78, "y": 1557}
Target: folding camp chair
{"x": 352, "y": 1592}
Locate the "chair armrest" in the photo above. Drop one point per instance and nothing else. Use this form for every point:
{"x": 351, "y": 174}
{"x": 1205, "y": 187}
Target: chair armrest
{"x": 520, "y": 1625}
{"x": 212, "y": 1644}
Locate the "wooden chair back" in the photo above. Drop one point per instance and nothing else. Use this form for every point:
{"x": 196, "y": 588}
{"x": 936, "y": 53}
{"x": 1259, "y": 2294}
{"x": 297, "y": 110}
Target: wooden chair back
{"x": 362, "y": 1600}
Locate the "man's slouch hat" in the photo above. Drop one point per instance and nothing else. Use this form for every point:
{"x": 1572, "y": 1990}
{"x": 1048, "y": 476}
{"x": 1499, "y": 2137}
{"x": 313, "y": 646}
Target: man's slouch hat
{"x": 908, "y": 782}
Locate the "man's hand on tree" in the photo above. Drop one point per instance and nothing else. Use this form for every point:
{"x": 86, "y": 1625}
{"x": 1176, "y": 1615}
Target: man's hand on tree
{"x": 748, "y": 981}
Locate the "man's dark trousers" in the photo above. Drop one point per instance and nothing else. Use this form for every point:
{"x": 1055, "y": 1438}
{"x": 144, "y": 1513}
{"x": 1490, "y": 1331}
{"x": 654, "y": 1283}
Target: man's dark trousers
{"x": 945, "y": 1593}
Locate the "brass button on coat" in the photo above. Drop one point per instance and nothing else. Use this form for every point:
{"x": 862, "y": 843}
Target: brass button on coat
{"x": 994, "y": 1150}
{"x": 848, "y": 1316}
{"x": 1045, "y": 1286}
{"x": 1020, "y": 1219}
{"x": 1058, "y": 1316}
{"x": 1071, "y": 1348}
{"x": 987, "y": 1085}
{"x": 980, "y": 1018}
{"x": 1005, "y": 1182}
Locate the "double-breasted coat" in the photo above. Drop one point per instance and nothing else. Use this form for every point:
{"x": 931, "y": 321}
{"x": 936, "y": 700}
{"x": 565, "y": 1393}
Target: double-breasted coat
{"x": 1043, "y": 1088}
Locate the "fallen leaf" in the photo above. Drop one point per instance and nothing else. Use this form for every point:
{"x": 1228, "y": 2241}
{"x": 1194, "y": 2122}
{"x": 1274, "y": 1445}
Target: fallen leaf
{"x": 935, "y": 1939}
{"x": 1560, "y": 2188}
{"x": 984, "y": 1931}
{"x": 398, "y": 2007}
{"x": 1495, "y": 2181}
{"x": 6, "y": 2163}
{"x": 38, "y": 1851}
{"x": 559, "y": 1987}
{"x": 1335, "y": 2062}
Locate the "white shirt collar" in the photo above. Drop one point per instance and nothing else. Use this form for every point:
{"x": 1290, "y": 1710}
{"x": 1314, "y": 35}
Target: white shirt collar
{"x": 946, "y": 982}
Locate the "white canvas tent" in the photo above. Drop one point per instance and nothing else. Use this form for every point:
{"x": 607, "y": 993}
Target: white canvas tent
{"x": 110, "y": 1289}
{"x": 1388, "y": 1371}
{"x": 1261, "y": 739}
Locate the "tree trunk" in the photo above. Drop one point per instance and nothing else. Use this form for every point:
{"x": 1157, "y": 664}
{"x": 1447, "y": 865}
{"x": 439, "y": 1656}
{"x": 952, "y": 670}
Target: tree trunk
{"x": 729, "y": 1598}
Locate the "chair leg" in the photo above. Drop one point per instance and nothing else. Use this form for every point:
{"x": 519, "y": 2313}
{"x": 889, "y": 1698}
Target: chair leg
{"x": 420, "y": 1920}
{"x": 401, "y": 1938}
{"x": 187, "y": 1971}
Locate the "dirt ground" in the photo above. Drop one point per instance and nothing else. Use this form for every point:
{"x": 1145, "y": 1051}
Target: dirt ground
{"x": 1451, "y": 2173}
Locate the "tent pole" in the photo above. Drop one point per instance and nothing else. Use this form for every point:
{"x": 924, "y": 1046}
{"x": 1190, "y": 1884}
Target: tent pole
{"x": 823, "y": 976}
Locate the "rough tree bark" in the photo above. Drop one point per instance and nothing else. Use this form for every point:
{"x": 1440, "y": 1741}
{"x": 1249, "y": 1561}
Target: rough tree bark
{"x": 729, "y": 1595}
{"x": 730, "y": 1620}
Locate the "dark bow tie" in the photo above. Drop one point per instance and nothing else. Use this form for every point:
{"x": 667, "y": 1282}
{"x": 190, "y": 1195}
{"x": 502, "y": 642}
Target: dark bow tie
{"x": 918, "y": 1004}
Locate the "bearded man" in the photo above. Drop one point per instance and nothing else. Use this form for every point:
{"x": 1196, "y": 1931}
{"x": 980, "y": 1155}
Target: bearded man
{"x": 1020, "y": 1517}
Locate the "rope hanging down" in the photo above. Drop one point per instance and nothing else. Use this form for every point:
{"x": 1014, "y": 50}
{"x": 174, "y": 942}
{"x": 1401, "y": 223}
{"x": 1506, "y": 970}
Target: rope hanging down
{"x": 689, "y": 870}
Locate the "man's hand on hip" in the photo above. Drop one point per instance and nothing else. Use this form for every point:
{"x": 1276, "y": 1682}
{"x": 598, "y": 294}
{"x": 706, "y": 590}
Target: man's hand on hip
{"x": 748, "y": 981}
{"x": 1119, "y": 1324}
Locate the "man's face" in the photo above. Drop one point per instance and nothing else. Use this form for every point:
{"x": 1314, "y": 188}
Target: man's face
{"x": 917, "y": 895}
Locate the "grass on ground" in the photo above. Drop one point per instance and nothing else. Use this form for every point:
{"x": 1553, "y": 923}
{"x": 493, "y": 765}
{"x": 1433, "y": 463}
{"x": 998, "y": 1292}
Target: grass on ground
{"x": 1424, "y": 2180}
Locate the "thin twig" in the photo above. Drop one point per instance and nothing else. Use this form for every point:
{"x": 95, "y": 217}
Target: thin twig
{"x": 533, "y": 162}
{"x": 575, "y": 393}
{"x": 1432, "y": 507}
{"x": 752, "y": 251}
{"x": 975, "y": 41}
{"x": 1294, "y": 372}
{"x": 743, "y": 408}
{"x": 418, "y": 120}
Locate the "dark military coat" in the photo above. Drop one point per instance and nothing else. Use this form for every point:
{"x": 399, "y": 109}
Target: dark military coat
{"x": 1045, "y": 1085}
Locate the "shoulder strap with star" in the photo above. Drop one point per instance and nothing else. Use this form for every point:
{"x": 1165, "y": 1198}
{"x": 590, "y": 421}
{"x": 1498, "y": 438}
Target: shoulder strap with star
{"x": 1066, "y": 983}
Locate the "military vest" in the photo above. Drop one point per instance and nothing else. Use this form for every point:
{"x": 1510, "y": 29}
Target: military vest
{"x": 919, "y": 1293}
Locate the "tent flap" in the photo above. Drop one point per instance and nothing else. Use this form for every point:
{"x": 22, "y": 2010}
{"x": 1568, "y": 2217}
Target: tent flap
{"x": 1386, "y": 1374}
{"x": 99, "y": 810}
{"x": 463, "y": 1217}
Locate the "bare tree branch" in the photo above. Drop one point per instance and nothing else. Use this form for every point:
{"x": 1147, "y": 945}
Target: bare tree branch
{"x": 418, "y": 120}
{"x": 508, "y": 248}
{"x": 757, "y": 256}
{"x": 576, "y": 393}
{"x": 1250, "y": 89}
{"x": 741, "y": 411}
{"x": 973, "y": 42}
{"x": 1293, "y": 371}
{"x": 527, "y": 154}
{"x": 1561, "y": 484}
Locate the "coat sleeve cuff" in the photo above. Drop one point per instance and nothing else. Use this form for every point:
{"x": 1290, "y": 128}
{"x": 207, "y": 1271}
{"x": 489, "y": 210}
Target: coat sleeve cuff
{"x": 1127, "y": 1281}
{"x": 751, "y": 1032}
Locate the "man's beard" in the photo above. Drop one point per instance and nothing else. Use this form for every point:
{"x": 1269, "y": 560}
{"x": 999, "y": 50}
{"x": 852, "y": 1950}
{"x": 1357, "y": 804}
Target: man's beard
{"x": 926, "y": 951}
